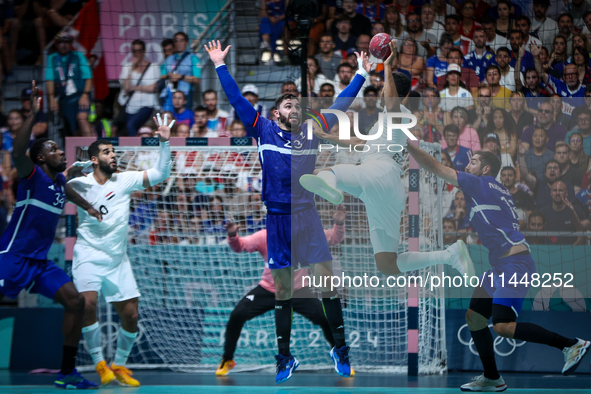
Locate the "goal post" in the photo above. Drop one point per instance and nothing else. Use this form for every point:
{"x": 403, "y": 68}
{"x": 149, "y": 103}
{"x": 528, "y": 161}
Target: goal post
{"x": 191, "y": 280}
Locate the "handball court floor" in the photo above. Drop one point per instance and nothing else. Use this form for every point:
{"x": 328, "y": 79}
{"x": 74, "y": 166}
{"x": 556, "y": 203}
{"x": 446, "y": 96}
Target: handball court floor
{"x": 165, "y": 381}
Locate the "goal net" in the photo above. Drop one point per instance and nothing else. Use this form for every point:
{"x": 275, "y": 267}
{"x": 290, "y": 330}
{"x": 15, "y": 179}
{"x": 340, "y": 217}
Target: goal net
{"x": 190, "y": 279}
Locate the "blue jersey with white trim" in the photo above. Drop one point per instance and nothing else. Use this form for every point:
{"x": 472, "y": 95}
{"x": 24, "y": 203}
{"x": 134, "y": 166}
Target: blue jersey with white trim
{"x": 570, "y": 99}
{"x": 284, "y": 156}
{"x": 492, "y": 213}
{"x": 39, "y": 205}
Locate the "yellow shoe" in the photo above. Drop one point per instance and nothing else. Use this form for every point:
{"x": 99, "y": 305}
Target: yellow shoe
{"x": 352, "y": 372}
{"x": 225, "y": 367}
{"x": 103, "y": 370}
{"x": 123, "y": 376}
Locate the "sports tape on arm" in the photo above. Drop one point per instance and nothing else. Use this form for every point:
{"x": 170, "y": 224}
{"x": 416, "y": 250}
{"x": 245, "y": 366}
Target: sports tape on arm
{"x": 161, "y": 170}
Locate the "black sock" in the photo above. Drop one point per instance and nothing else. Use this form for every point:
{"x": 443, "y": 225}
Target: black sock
{"x": 334, "y": 314}
{"x": 483, "y": 341}
{"x": 68, "y": 359}
{"x": 530, "y": 332}
{"x": 283, "y": 316}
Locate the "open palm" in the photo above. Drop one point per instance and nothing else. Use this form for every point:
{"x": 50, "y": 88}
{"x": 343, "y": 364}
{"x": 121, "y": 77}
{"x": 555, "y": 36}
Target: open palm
{"x": 215, "y": 52}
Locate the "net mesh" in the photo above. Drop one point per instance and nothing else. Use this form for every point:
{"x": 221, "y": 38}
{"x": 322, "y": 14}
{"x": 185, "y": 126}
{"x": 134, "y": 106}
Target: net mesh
{"x": 191, "y": 280}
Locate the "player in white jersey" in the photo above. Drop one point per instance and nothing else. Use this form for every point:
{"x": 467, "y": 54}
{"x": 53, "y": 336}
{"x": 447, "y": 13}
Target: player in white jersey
{"x": 377, "y": 181}
{"x": 100, "y": 254}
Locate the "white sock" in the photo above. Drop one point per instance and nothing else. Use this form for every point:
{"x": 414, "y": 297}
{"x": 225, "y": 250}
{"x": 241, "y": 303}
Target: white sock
{"x": 125, "y": 342}
{"x": 328, "y": 177}
{"x": 92, "y": 336}
{"x": 411, "y": 261}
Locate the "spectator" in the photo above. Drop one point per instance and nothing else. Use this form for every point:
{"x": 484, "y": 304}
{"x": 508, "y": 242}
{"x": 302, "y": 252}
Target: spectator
{"x": 545, "y": 121}
{"x": 343, "y": 41}
{"x": 581, "y": 60}
{"x": 480, "y": 58}
{"x": 272, "y": 14}
{"x": 561, "y": 215}
{"x": 214, "y": 220}
{"x": 520, "y": 116}
{"x": 576, "y": 9}
{"x": 559, "y": 56}
{"x": 568, "y": 173}
{"x": 504, "y": 21}
{"x": 523, "y": 23}
{"x": 459, "y": 155}
{"x": 499, "y": 93}
{"x": 558, "y": 115}
{"x": 315, "y": 77}
{"x": 574, "y": 122}
{"x": 449, "y": 190}
{"x": 544, "y": 27}
{"x": 437, "y": 65}
{"x": 414, "y": 30}
{"x": 584, "y": 197}
{"x": 182, "y": 114}
{"x": 257, "y": 220}
{"x": 536, "y": 222}
{"x": 360, "y": 24}
{"x": 532, "y": 90}
{"x": 216, "y": 118}
{"x": 57, "y": 14}
{"x": 452, "y": 26}
{"x": 392, "y": 21}
{"x": 517, "y": 41}
{"x": 468, "y": 24}
{"x": 493, "y": 40}
{"x": 182, "y": 130}
{"x": 431, "y": 117}
{"x": 459, "y": 211}
{"x": 14, "y": 122}
{"x": 289, "y": 87}
{"x": 181, "y": 71}
{"x": 101, "y": 126}
{"x": 369, "y": 115}
{"x": 344, "y": 73}
{"x": 468, "y": 77}
{"x": 524, "y": 203}
{"x": 492, "y": 144}
{"x": 376, "y": 80}
{"x": 200, "y": 127}
{"x": 449, "y": 226}
{"x": 468, "y": 136}
{"x": 442, "y": 10}
{"x": 503, "y": 125}
{"x": 535, "y": 158}
{"x": 325, "y": 95}
{"x": 430, "y": 26}
{"x": 453, "y": 94}
{"x": 27, "y": 27}
{"x": 69, "y": 83}
{"x": 577, "y": 155}
{"x": 328, "y": 58}
{"x": 371, "y": 9}
{"x": 237, "y": 128}
{"x": 587, "y": 20}
{"x": 167, "y": 46}
{"x": 507, "y": 72}
{"x": 40, "y": 122}
{"x": 480, "y": 115}
{"x": 409, "y": 62}
{"x": 542, "y": 185}
{"x": 138, "y": 81}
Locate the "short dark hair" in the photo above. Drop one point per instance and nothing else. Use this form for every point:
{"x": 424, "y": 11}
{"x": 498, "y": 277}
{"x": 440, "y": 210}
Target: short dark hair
{"x": 454, "y": 17}
{"x": 545, "y": 3}
{"x": 181, "y": 92}
{"x": 140, "y": 43}
{"x": 458, "y": 50}
{"x": 182, "y": 33}
{"x": 37, "y": 149}
{"x": 200, "y": 108}
{"x": 549, "y": 162}
{"x": 208, "y": 92}
{"x": 93, "y": 149}
{"x": 449, "y": 220}
{"x": 490, "y": 67}
{"x": 327, "y": 84}
{"x": 537, "y": 214}
{"x": 370, "y": 89}
{"x": 344, "y": 65}
{"x": 402, "y": 82}
{"x": 166, "y": 42}
{"x": 504, "y": 49}
{"x": 528, "y": 70}
{"x": 523, "y": 18}
{"x": 567, "y": 15}
{"x": 451, "y": 128}
{"x": 510, "y": 169}
{"x": 585, "y": 111}
{"x": 283, "y": 97}
{"x": 522, "y": 34}
{"x": 445, "y": 38}
{"x": 489, "y": 159}
{"x": 487, "y": 20}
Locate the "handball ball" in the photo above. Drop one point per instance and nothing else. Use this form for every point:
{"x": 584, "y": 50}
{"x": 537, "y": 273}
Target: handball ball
{"x": 379, "y": 46}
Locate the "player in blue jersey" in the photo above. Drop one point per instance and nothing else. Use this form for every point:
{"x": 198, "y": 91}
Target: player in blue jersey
{"x": 294, "y": 231}
{"x": 40, "y": 199}
{"x": 495, "y": 220}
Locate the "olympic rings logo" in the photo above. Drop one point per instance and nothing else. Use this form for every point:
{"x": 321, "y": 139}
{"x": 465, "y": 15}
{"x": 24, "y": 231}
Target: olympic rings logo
{"x": 413, "y": 180}
{"x": 150, "y": 141}
{"x": 498, "y": 340}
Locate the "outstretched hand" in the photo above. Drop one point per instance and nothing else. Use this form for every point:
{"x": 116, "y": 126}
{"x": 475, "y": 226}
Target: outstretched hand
{"x": 215, "y": 52}
{"x": 35, "y": 99}
{"x": 232, "y": 228}
{"x": 340, "y": 214}
{"x": 364, "y": 61}
{"x": 394, "y": 48}
{"x": 163, "y": 131}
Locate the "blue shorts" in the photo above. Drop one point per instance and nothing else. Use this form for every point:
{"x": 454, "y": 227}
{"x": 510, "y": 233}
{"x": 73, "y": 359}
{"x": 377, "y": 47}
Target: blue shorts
{"x": 37, "y": 276}
{"x": 502, "y": 293}
{"x": 301, "y": 233}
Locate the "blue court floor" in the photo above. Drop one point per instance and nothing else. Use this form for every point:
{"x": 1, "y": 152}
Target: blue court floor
{"x": 166, "y": 382}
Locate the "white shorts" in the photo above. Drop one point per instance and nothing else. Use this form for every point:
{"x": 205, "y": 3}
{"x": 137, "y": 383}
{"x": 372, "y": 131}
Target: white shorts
{"x": 115, "y": 281}
{"x": 379, "y": 186}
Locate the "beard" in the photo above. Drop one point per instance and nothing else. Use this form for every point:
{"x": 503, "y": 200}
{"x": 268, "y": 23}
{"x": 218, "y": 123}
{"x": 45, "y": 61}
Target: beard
{"x": 106, "y": 168}
{"x": 285, "y": 120}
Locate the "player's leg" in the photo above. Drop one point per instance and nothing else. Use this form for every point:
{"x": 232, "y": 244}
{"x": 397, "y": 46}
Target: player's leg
{"x": 329, "y": 182}
{"x": 256, "y": 303}
{"x": 456, "y": 255}
{"x": 306, "y": 304}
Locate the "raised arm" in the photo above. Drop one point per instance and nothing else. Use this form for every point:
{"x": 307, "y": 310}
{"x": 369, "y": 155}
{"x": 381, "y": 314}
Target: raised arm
{"x": 243, "y": 108}
{"x": 390, "y": 92}
{"x": 526, "y": 177}
{"x": 162, "y": 169}
{"x": 517, "y": 72}
{"x": 535, "y": 51}
{"x": 336, "y": 234}
{"x": 23, "y": 163}
{"x": 249, "y": 244}
{"x": 429, "y": 163}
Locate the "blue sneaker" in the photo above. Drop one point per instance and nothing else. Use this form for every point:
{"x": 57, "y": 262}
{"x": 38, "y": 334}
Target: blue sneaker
{"x": 73, "y": 381}
{"x": 340, "y": 357}
{"x": 285, "y": 367}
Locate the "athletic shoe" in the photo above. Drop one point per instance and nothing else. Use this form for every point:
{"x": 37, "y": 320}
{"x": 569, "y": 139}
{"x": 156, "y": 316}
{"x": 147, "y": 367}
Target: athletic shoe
{"x": 286, "y": 366}
{"x": 460, "y": 258}
{"x": 340, "y": 357}
{"x": 573, "y": 356}
{"x": 123, "y": 376}
{"x": 352, "y": 372}
{"x": 480, "y": 383}
{"x": 105, "y": 373}
{"x": 73, "y": 381}
{"x": 225, "y": 367}
{"x": 317, "y": 185}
